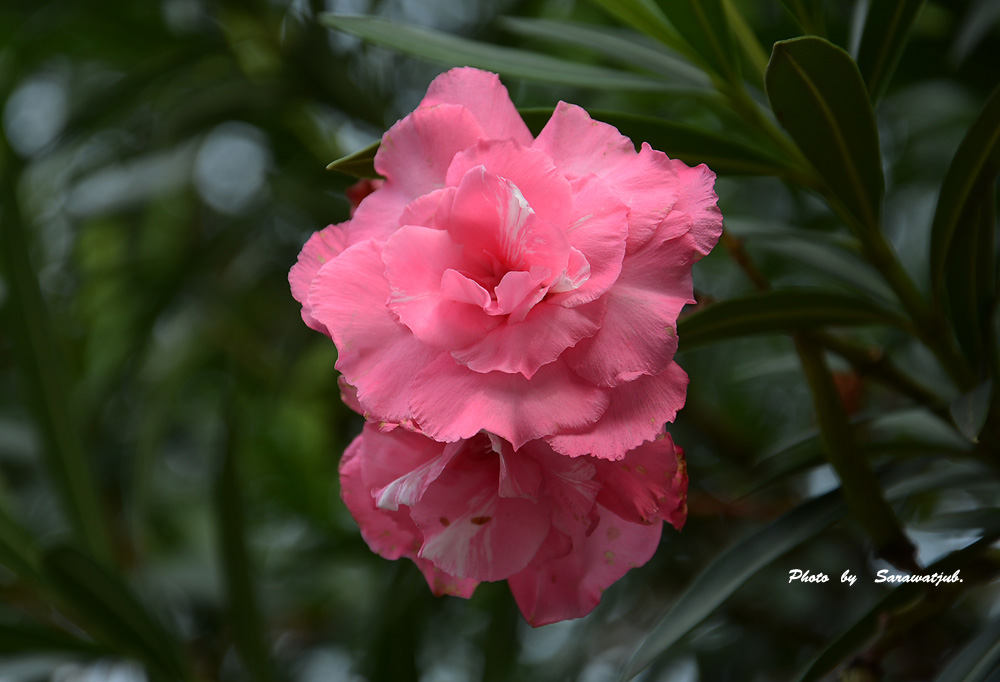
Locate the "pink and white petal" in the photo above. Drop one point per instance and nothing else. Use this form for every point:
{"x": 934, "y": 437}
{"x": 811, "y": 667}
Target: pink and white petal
{"x": 645, "y": 181}
{"x": 389, "y": 534}
{"x": 349, "y": 395}
{"x": 635, "y": 414}
{"x": 410, "y": 486}
{"x": 530, "y": 170}
{"x": 416, "y": 151}
{"x": 416, "y": 260}
{"x": 451, "y": 402}
{"x": 518, "y": 292}
{"x": 639, "y": 332}
{"x": 322, "y": 247}
{"x": 470, "y": 531}
{"x": 571, "y": 586}
{"x": 443, "y": 583}
{"x": 482, "y": 93}
{"x": 598, "y": 228}
{"x": 648, "y": 485}
{"x": 378, "y": 215}
{"x": 535, "y": 342}
{"x": 571, "y": 487}
{"x": 376, "y": 354}
{"x": 429, "y": 210}
{"x": 520, "y": 475}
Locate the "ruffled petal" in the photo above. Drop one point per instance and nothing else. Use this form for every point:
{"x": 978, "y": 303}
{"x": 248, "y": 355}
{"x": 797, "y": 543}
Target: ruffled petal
{"x": 322, "y": 247}
{"x": 646, "y": 181}
{"x": 376, "y": 354}
{"x": 530, "y": 170}
{"x": 696, "y": 198}
{"x": 484, "y": 95}
{"x": 551, "y": 590}
{"x": 538, "y": 340}
{"x": 450, "y": 402}
{"x": 639, "y": 332}
{"x": 648, "y": 485}
{"x": 635, "y": 414}
{"x": 416, "y": 151}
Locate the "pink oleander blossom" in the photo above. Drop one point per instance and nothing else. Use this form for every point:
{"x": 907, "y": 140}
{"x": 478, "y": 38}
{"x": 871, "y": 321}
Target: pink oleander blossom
{"x": 526, "y": 286}
{"x": 559, "y": 530}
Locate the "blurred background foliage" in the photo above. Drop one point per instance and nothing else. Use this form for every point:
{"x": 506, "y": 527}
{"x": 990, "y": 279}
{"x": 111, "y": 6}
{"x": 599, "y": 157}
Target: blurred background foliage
{"x": 170, "y": 430}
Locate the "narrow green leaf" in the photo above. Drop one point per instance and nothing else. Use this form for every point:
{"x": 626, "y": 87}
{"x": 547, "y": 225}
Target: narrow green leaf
{"x": 867, "y": 627}
{"x": 646, "y": 17}
{"x": 887, "y": 29}
{"x": 703, "y": 24}
{"x": 244, "y": 616}
{"x": 618, "y": 45}
{"x": 455, "y": 51}
{"x": 857, "y": 480}
{"x": 24, "y": 639}
{"x": 977, "y": 161}
{"x": 977, "y": 660}
{"x": 969, "y": 410}
{"x": 779, "y": 311}
{"x": 979, "y": 19}
{"x": 360, "y": 164}
{"x": 18, "y": 551}
{"x": 109, "y": 611}
{"x": 808, "y": 14}
{"x": 819, "y": 97}
{"x": 44, "y": 381}
{"x": 737, "y": 564}
{"x": 747, "y": 41}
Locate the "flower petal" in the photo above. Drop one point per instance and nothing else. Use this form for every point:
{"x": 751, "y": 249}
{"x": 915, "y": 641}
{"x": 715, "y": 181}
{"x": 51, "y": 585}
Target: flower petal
{"x": 450, "y": 402}
{"x": 376, "y": 354}
{"x": 322, "y": 247}
{"x": 484, "y": 95}
{"x": 639, "y": 331}
{"x": 648, "y": 485}
{"x": 551, "y": 590}
{"x": 635, "y": 414}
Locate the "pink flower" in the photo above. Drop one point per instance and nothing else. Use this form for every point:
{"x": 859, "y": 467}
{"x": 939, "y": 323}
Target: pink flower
{"x": 526, "y": 286}
{"x": 559, "y": 530}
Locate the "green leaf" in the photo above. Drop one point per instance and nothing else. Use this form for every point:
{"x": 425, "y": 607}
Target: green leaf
{"x": 899, "y": 598}
{"x": 42, "y": 368}
{"x": 747, "y": 41}
{"x": 455, "y": 51}
{"x": 360, "y": 164}
{"x": 969, "y": 410}
{"x": 244, "y": 617}
{"x": 887, "y": 29}
{"x": 703, "y": 24}
{"x": 18, "y": 551}
{"x": 779, "y": 311}
{"x": 731, "y": 569}
{"x": 976, "y": 660}
{"x": 646, "y": 17}
{"x": 975, "y": 164}
{"x": 109, "y": 611}
{"x": 808, "y": 14}
{"x": 618, "y": 45}
{"x": 819, "y": 97}
{"x": 22, "y": 639}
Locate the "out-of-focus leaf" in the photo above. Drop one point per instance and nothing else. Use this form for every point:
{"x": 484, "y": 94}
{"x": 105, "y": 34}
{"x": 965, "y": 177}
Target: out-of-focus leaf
{"x": 703, "y": 24}
{"x": 731, "y": 569}
{"x": 977, "y": 660}
{"x": 23, "y": 639}
{"x": 857, "y": 480}
{"x": 819, "y": 97}
{"x": 970, "y": 410}
{"x": 887, "y": 28}
{"x": 964, "y": 193}
{"x": 980, "y": 18}
{"x": 748, "y": 42}
{"x": 647, "y": 17}
{"x": 808, "y": 14}
{"x": 360, "y": 164}
{"x": 455, "y": 51}
{"x": 110, "y": 612}
{"x": 17, "y": 550}
{"x": 607, "y": 42}
{"x": 244, "y": 616}
{"x": 42, "y": 366}
{"x": 862, "y": 630}
{"x": 779, "y": 311}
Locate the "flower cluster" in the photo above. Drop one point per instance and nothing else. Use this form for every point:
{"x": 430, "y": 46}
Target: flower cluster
{"x": 504, "y": 308}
